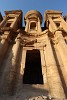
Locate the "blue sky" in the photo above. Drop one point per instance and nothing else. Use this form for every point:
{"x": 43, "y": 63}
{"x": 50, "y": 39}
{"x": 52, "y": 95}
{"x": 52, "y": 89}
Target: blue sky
{"x": 40, "y": 5}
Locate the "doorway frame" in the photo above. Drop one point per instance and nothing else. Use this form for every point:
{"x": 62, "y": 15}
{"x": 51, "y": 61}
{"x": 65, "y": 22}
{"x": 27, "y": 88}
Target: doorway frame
{"x": 43, "y": 64}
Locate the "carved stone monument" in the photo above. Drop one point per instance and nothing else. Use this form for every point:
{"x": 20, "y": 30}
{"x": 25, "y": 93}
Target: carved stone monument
{"x": 33, "y": 59}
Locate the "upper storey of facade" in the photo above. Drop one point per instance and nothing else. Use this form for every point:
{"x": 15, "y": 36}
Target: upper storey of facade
{"x": 33, "y": 19}
{"x": 11, "y": 20}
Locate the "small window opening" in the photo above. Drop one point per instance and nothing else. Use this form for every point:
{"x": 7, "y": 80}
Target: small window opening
{"x": 33, "y": 71}
{"x": 33, "y": 26}
{"x": 57, "y": 24}
{"x": 8, "y": 24}
{"x": 11, "y": 17}
{"x": 54, "y": 17}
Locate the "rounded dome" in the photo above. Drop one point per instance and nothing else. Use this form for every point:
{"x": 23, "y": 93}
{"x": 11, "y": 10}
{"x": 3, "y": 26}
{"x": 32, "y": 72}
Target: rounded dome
{"x": 33, "y": 13}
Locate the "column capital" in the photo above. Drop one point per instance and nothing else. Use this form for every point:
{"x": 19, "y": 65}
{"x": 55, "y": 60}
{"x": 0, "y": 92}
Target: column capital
{"x": 27, "y": 20}
{"x": 4, "y": 36}
{"x": 55, "y": 41}
{"x": 3, "y": 21}
{"x": 6, "y": 17}
{"x": 38, "y": 19}
{"x": 18, "y": 38}
{"x": 27, "y": 26}
{"x": 50, "y": 17}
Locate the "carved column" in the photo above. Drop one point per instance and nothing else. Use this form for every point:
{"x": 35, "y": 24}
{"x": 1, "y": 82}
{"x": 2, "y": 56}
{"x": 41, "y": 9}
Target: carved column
{"x": 63, "y": 23}
{"x": 62, "y": 49}
{"x": 23, "y": 63}
{"x": 43, "y": 66}
{"x": 39, "y": 26}
{"x": 4, "y": 45}
{"x": 52, "y": 25}
{"x": 14, "y": 22}
{"x": 53, "y": 78}
{"x": 13, "y": 68}
{"x": 61, "y": 42}
{"x": 27, "y": 25}
{"x": 3, "y": 22}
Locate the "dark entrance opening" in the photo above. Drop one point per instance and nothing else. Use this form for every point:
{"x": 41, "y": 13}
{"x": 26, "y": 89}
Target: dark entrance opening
{"x": 33, "y": 71}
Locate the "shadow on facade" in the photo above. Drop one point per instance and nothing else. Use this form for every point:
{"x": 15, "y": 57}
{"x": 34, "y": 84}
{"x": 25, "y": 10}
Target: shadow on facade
{"x": 60, "y": 71}
{"x": 28, "y": 91}
{"x": 8, "y": 73}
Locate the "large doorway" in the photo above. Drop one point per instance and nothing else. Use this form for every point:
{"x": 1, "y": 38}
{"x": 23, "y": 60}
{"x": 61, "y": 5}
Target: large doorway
{"x": 33, "y": 71}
